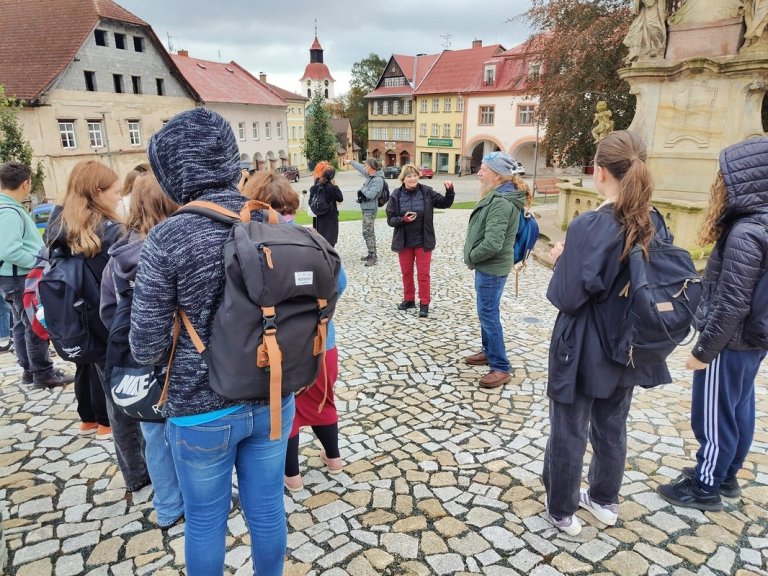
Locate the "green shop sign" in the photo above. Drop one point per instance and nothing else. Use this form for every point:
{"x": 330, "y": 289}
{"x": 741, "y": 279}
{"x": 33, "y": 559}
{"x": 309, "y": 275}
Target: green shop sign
{"x": 444, "y": 142}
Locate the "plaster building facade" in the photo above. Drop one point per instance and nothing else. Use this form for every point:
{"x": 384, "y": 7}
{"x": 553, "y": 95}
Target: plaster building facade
{"x": 296, "y": 106}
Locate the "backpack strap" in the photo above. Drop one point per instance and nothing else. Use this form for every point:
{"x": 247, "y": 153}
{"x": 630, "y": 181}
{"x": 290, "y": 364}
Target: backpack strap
{"x": 220, "y": 214}
{"x": 319, "y": 346}
{"x": 166, "y": 384}
{"x": 269, "y": 354}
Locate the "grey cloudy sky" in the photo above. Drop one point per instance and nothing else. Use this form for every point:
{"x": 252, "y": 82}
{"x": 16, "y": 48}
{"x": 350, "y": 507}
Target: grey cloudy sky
{"x": 274, "y": 37}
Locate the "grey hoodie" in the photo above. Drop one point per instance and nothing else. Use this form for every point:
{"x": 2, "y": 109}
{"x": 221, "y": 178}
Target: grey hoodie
{"x": 371, "y": 188}
{"x": 123, "y": 262}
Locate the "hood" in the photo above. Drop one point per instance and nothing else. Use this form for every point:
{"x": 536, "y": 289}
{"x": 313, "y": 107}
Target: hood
{"x": 509, "y": 192}
{"x": 125, "y": 253}
{"x": 744, "y": 167}
{"x": 194, "y": 155}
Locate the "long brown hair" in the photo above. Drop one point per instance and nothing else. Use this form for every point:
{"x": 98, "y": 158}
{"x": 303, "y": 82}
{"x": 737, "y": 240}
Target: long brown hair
{"x": 623, "y": 154}
{"x": 149, "y": 205}
{"x": 130, "y": 178}
{"x": 273, "y": 189}
{"x": 711, "y": 230}
{"x": 83, "y": 210}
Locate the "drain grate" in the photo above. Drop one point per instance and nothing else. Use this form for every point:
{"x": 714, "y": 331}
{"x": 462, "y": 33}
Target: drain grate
{"x": 532, "y": 320}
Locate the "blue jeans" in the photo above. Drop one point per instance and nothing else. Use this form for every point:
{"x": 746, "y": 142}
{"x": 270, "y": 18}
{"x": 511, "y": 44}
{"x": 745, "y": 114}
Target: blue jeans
{"x": 489, "y": 289}
{"x": 204, "y": 456}
{"x": 5, "y": 320}
{"x": 167, "y": 501}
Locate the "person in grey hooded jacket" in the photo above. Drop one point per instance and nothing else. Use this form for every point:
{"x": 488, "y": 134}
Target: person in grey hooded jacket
{"x": 368, "y": 196}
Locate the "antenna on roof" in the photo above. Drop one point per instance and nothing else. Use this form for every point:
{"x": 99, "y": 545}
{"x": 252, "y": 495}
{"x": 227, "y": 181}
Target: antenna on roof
{"x": 219, "y": 51}
{"x": 170, "y": 42}
{"x": 446, "y": 40}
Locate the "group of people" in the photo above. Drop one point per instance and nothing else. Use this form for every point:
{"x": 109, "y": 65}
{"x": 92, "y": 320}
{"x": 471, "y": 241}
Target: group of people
{"x": 175, "y": 262}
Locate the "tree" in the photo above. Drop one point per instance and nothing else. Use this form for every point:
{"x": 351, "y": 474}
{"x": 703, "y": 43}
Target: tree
{"x": 319, "y": 140}
{"x": 365, "y": 76}
{"x": 366, "y": 73}
{"x": 13, "y": 146}
{"x": 579, "y": 46}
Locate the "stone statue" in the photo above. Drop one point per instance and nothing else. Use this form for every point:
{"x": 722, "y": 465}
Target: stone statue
{"x": 602, "y": 125}
{"x": 756, "y": 19}
{"x": 700, "y": 11}
{"x": 647, "y": 35}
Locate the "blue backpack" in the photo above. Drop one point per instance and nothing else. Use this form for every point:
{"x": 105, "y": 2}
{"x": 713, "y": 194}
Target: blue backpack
{"x": 527, "y": 234}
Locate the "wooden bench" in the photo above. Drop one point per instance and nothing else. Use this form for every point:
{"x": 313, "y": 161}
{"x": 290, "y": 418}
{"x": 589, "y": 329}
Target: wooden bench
{"x": 545, "y": 187}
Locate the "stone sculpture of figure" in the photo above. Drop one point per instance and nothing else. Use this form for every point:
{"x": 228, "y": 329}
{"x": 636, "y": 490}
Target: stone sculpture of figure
{"x": 603, "y": 122}
{"x": 647, "y": 35}
{"x": 701, "y": 11}
{"x": 756, "y": 19}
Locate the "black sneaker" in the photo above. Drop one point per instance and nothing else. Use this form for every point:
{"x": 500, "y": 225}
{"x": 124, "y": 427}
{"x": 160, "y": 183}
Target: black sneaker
{"x": 406, "y": 305}
{"x": 423, "y": 310}
{"x": 729, "y": 487}
{"x": 370, "y": 261}
{"x": 58, "y": 378}
{"x": 6, "y": 346}
{"x": 686, "y": 494}
{"x": 26, "y": 377}
{"x": 364, "y": 258}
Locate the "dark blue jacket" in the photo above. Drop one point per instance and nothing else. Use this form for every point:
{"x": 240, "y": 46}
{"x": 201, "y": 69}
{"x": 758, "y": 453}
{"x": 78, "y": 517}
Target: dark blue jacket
{"x": 195, "y": 157}
{"x": 432, "y": 199}
{"x": 739, "y": 257}
{"x": 585, "y": 289}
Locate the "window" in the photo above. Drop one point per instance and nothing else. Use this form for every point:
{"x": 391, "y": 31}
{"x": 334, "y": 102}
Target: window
{"x": 385, "y": 107}
{"x": 90, "y": 81}
{"x": 309, "y": 93}
{"x": 267, "y": 130}
{"x": 459, "y": 104}
{"x": 534, "y": 69}
{"x": 396, "y": 107}
{"x": 279, "y": 129}
{"x": 435, "y": 104}
{"x": 435, "y": 129}
{"x": 422, "y": 129}
{"x": 117, "y": 79}
{"x": 423, "y": 104}
{"x": 255, "y": 129}
{"x": 101, "y": 37}
{"x": 447, "y": 105}
{"x": 138, "y": 44}
{"x": 459, "y": 130}
{"x": 119, "y": 41}
{"x": 446, "y": 130}
{"x": 397, "y": 134}
{"x": 376, "y": 107}
{"x": 326, "y": 92}
{"x": 241, "y": 130}
{"x": 486, "y": 115}
{"x": 136, "y": 83}
{"x": 395, "y": 81}
{"x": 293, "y": 134}
{"x": 490, "y": 75}
{"x": 134, "y": 132}
{"x": 160, "y": 85}
{"x": 408, "y": 107}
{"x": 525, "y": 115}
{"x": 67, "y": 133}
{"x": 407, "y": 135}
{"x": 301, "y": 132}
{"x": 94, "y": 134}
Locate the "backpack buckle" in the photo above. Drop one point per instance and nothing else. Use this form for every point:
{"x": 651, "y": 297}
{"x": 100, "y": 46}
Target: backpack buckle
{"x": 270, "y": 324}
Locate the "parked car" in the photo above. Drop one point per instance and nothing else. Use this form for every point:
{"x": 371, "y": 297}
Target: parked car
{"x": 427, "y": 172}
{"x": 520, "y": 169}
{"x": 391, "y": 171}
{"x": 290, "y": 172}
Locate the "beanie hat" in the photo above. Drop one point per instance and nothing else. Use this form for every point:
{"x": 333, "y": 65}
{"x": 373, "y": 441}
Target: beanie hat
{"x": 500, "y": 162}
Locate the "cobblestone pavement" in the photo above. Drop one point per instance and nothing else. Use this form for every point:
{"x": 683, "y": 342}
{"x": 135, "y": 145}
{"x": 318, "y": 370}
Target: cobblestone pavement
{"x": 442, "y": 477}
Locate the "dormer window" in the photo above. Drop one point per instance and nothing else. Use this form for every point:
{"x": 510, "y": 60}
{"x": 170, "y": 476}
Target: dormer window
{"x": 490, "y": 75}
{"x": 534, "y": 69}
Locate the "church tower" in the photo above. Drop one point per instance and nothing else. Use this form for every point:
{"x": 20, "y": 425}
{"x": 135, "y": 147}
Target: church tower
{"x": 316, "y": 74}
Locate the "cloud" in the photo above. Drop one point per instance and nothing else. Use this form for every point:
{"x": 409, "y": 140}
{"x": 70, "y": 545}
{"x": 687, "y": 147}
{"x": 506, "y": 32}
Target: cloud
{"x": 274, "y": 37}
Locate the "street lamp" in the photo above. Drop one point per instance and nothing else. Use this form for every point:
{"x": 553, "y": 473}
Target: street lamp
{"x": 536, "y": 152}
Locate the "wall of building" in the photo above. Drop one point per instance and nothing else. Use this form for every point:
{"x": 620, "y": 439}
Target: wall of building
{"x": 441, "y": 153}
{"x": 272, "y": 151}
{"x": 296, "y": 125}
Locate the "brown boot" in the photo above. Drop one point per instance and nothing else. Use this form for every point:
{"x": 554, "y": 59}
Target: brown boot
{"x": 494, "y": 379}
{"x": 479, "y": 359}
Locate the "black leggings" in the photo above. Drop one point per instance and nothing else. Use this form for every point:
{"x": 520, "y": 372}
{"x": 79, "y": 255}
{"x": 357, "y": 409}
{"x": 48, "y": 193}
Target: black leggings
{"x": 329, "y": 438}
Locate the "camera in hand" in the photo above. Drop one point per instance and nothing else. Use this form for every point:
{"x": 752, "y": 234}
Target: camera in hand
{"x": 360, "y": 196}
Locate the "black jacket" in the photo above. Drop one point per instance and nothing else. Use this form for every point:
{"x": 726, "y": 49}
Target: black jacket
{"x": 738, "y": 259}
{"x": 395, "y": 219}
{"x": 585, "y": 289}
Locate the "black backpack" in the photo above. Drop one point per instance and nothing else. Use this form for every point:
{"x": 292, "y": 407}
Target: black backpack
{"x": 662, "y": 295}
{"x": 136, "y": 389}
{"x": 70, "y": 291}
{"x": 318, "y": 200}
{"x": 280, "y": 291}
{"x": 383, "y": 196}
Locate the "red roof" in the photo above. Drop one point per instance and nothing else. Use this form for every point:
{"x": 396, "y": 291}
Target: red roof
{"x": 316, "y": 45}
{"x": 512, "y": 68}
{"x": 285, "y": 94}
{"x": 217, "y": 82}
{"x": 411, "y": 66}
{"x": 39, "y": 38}
{"x": 455, "y": 70}
{"x": 316, "y": 71}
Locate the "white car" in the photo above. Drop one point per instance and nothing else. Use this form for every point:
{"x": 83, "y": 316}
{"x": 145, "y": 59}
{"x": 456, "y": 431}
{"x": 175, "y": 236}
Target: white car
{"x": 520, "y": 169}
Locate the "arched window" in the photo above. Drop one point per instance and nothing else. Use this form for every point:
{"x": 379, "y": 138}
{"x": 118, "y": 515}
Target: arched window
{"x": 326, "y": 92}
{"x": 309, "y": 93}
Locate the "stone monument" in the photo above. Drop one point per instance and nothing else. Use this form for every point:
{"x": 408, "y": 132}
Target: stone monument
{"x": 698, "y": 90}
{"x": 602, "y": 125}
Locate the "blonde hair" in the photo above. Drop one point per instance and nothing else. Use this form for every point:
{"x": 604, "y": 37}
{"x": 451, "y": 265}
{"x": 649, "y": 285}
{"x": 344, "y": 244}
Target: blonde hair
{"x": 623, "y": 154}
{"x": 712, "y": 229}
{"x": 407, "y": 170}
{"x": 149, "y": 205}
{"x": 83, "y": 210}
{"x": 274, "y": 190}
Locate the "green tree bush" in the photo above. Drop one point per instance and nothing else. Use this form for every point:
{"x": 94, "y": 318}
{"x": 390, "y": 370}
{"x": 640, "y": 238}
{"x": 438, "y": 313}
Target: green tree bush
{"x": 319, "y": 140}
{"x": 13, "y": 146}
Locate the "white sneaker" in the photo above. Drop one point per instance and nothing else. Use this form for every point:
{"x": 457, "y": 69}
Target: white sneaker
{"x": 570, "y": 525}
{"x": 606, "y": 513}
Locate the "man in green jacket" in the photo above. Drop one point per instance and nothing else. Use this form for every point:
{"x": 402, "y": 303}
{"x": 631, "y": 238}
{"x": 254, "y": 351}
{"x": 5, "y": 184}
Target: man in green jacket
{"x": 20, "y": 243}
{"x": 489, "y": 250}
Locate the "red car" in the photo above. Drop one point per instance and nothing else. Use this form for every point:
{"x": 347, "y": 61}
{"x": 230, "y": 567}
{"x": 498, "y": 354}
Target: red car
{"x": 427, "y": 172}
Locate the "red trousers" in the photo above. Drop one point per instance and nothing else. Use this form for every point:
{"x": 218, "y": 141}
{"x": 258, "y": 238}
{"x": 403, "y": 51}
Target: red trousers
{"x": 423, "y": 260}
